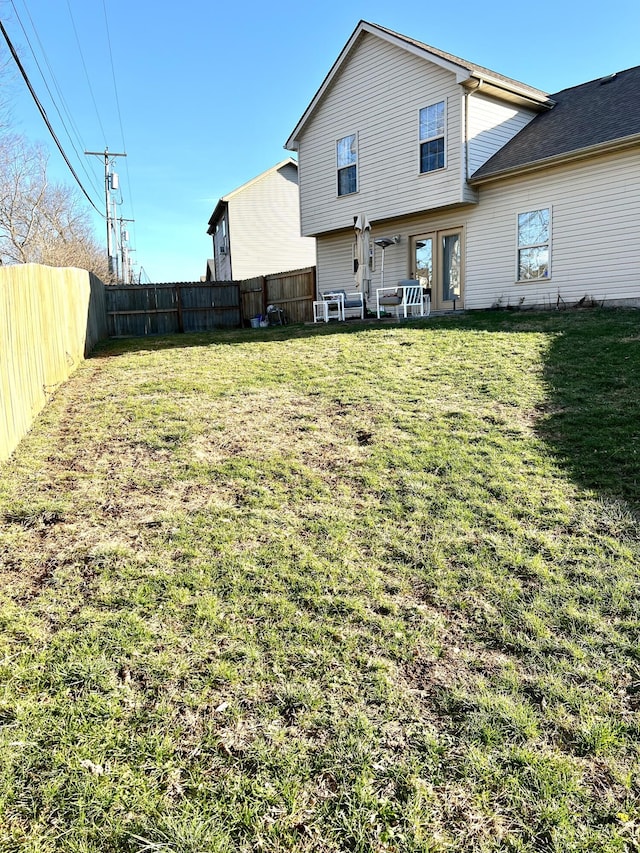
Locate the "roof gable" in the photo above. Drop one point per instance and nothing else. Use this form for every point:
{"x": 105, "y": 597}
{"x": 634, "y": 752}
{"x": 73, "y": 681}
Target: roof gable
{"x": 465, "y": 72}
{"x": 289, "y": 161}
{"x": 224, "y": 200}
{"x": 597, "y": 115}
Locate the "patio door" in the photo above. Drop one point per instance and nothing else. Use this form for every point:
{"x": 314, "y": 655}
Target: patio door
{"x": 438, "y": 263}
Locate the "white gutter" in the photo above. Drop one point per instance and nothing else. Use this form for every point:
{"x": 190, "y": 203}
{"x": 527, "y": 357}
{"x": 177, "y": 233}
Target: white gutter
{"x": 513, "y": 93}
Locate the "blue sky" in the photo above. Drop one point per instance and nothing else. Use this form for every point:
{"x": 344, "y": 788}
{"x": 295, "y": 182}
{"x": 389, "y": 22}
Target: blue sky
{"x": 207, "y": 93}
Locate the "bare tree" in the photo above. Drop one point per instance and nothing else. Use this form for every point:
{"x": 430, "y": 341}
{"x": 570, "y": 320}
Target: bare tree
{"x": 42, "y": 222}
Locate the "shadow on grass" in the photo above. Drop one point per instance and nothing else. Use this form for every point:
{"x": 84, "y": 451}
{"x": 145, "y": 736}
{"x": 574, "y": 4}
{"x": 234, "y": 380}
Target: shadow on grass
{"x": 592, "y": 421}
{"x": 591, "y": 418}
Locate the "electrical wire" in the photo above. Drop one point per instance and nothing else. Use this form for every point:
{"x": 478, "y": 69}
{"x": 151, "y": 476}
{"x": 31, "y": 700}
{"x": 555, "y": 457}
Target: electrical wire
{"x": 60, "y": 95}
{"x": 45, "y": 118}
{"x": 113, "y": 74}
{"x": 86, "y": 73}
{"x": 115, "y": 90}
{"x": 62, "y": 100}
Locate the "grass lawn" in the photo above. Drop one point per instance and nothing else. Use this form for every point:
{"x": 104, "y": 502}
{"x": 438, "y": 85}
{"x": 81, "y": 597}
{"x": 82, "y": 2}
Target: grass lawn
{"x": 364, "y": 588}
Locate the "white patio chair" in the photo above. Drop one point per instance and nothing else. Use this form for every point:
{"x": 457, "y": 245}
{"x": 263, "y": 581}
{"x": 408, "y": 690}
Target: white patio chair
{"x": 405, "y": 297}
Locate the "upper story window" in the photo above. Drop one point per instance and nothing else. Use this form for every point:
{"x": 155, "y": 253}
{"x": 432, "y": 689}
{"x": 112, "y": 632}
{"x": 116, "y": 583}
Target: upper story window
{"x": 432, "y": 137}
{"x": 347, "y": 160}
{"x": 534, "y": 244}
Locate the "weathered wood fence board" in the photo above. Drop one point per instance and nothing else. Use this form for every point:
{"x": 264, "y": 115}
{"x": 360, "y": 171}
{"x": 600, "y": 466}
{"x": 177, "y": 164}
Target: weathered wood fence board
{"x": 158, "y": 309}
{"x": 136, "y": 310}
{"x": 253, "y": 298}
{"x": 50, "y": 319}
{"x": 202, "y": 311}
{"x": 293, "y": 292}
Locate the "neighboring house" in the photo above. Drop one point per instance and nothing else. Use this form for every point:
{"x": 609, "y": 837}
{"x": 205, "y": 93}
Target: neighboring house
{"x": 256, "y": 228}
{"x": 494, "y": 191}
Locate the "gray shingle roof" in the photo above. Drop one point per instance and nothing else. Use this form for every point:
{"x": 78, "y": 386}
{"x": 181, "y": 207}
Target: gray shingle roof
{"x": 602, "y": 111}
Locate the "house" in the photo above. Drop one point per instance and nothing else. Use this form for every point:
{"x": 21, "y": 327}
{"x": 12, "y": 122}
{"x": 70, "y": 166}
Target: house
{"x": 256, "y": 228}
{"x": 486, "y": 189}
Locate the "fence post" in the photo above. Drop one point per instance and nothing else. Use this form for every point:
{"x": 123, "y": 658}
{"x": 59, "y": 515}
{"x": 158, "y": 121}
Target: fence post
{"x": 240, "y": 302}
{"x": 179, "y": 307}
{"x": 265, "y": 295}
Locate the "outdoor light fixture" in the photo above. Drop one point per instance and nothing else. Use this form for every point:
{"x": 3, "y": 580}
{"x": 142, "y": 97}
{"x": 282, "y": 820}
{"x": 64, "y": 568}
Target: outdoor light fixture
{"x": 384, "y": 243}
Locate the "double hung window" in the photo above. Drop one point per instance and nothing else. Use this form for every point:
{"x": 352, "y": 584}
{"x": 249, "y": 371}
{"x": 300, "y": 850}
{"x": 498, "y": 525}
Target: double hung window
{"x": 432, "y": 123}
{"x": 347, "y": 162}
{"x": 534, "y": 244}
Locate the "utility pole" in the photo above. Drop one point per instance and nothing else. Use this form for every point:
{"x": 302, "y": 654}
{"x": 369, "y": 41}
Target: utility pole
{"x": 124, "y": 251}
{"x": 109, "y": 184}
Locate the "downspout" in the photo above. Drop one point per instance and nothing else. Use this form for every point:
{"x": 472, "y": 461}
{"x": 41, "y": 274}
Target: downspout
{"x": 467, "y": 93}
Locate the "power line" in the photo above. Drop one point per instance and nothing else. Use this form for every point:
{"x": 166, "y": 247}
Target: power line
{"x": 113, "y": 73}
{"x": 60, "y": 95}
{"x": 45, "y": 118}
{"x": 115, "y": 91}
{"x": 86, "y": 73}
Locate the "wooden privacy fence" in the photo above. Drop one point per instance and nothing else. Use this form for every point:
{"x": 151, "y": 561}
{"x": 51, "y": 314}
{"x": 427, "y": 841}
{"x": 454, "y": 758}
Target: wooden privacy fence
{"x": 50, "y": 320}
{"x": 293, "y": 292}
{"x": 157, "y": 309}
{"x": 152, "y": 309}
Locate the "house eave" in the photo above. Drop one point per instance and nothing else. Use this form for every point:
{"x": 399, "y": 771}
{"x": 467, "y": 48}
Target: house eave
{"x": 388, "y": 219}
{"x": 292, "y": 142}
{"x": 219, "y": 209}
{"x": 464, "y": 72}
{"x": 288, "y": 161}
{"x": 559, "y": 159}
{"x": 223, "y": 203}
{"x": 486, "y": 85}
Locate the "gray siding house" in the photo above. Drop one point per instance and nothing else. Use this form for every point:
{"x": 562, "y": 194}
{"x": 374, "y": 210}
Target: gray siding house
{"x": 256, "y": 228}
{"x": 494, "y": 191}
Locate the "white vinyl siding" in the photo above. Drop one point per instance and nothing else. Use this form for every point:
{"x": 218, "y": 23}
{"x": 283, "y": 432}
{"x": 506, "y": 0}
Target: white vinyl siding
{"x": 596, "y": 234}
{"x": 491, "y": 125}
{"x": 264, "y": 227}
{"x": 335, "y": 263}
{"x": 379, "y": 91}
{"x": 595, "y": 231}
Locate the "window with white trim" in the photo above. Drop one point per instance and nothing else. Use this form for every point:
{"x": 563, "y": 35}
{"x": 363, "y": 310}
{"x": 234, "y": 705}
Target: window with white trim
{"x": 347, "y": 163}
{"x": 534, "y": 244}
{"x": 432, "y": 124}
